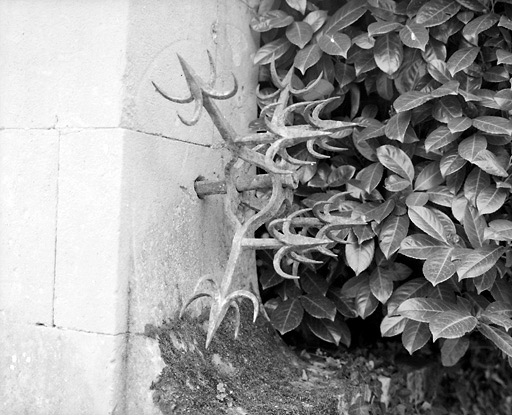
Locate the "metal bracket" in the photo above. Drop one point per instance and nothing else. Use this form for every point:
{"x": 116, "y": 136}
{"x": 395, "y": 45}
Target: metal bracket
{"x": 268, "y": 152}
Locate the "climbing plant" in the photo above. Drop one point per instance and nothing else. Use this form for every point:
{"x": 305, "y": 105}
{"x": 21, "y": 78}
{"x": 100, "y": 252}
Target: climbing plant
{"x": 416, "y": 186}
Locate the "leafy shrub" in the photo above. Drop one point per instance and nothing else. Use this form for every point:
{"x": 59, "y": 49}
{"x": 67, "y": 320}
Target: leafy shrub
{"x": 428, "y": 167}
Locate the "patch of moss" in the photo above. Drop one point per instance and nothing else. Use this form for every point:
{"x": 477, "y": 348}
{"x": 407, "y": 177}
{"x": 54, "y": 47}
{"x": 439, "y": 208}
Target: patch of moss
{"x": 256, "y": 374}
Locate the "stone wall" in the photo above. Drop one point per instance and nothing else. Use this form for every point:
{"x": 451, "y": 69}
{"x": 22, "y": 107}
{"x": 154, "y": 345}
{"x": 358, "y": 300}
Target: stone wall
{"x": 101, "y": 231}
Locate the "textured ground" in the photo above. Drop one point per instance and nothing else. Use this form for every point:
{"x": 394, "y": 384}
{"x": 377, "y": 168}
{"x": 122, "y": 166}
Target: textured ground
{"x": 258, "y": 375}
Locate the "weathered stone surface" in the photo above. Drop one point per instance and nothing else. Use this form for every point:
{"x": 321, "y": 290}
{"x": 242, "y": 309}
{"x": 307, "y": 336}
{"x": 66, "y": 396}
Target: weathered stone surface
{"x": 49, "y": 371}
{"x": 144, "y": 361}
{"x": 158, "y": 32}
{"x": 28, "y": 203}
{"x": 91, "y": 289}
{"x": 174, "y": 236}
{"x": 62, "y": 63}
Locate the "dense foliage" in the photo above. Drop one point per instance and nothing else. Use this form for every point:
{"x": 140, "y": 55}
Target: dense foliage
{"x": 428, "y": 166}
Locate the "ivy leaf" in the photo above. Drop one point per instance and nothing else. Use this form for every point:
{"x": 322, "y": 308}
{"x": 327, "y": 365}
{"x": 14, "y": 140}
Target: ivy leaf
{"x": 423, "y": 310}
{"x": 336, "y": 44}
{"x": 299, "y": 33}
{"x": 397, "y": 161}
{"x": 418, "y": 287}
{"x": 444, "y": 31}
{"x": 410, "y": 100}
{"x": 383, "y": 9}
{"x": 416, "y": 199}
{"x": 439, "y": 266}
{"x": 395, "y": 183}
{"x": 476, "y": 181}
{"x": 271, "y": 20}
{"x": 363, "y": 233}
{"x": 345, "y": 16}
{"x": 439, "y": 138}
{"x": 474, "y": 5}
{"x": 366, "y": 303}
{"x": 397, "y": 126}
{"x": 363, "y": 60}
{"x": 373, "y": 211}
{"x": 381, "y": 285}
{"x": 316, "y": 19}
{"x": 420, "y": 246}
{"x": 299, "y": 5}
{"x": 429, "y": 177}
{"x": 359, "y": 256}
{"x": 452, "y": 324}
{"x": 269, "y": 278}
{"x": 501, "y": 339}
{"x": 385, "y": 86}
{"x": 388, "y": 53}
{"x": 392, "y": 233}
{"x": 452, "y": 350}
{"x": 451, "y": 162}
{"x": 504, "y": 57}
{"x": 330, "y": 331}
{"x": 496, "y": 74}
{"x": 392, "y": 325}
{"x": 447, "y": 108}
{"x": 505, "y": 22}
{"x": 489, "y": 163}
{"x": 307, "y": 57}
{"x": 441, "y": 195}
{"x": 459, "y": 124}
{"x": 470, "y": 147}
{"x": 493, "y": 125}
{"x": 504, "y": 99}
{"x": 461, "y": 59}
{"x": 344, "y": 304}
{"x": 318, "y": 306}
{"x": 414, "y": 35}
{"x": 485, "y": 281}
{"x": 497, "y": 319}
{"x": 499, "y": 307}
{"x": 500, "y": 230}
{"x": 437, "y": 69}
{"x": 474, "y": 226}
{"x": 344, "y": 73}
{"x": 476, "y": 262}
{"x": 272, "y": 51}
{"x": 370, "y": 176}
{"x": 436, "y": 12}
{"x": 478, "y": 25}
{"x": 313, "y": 283}
{"x": 449, "y": 88}
{"x": 415, "y": 335}
{"x": 382, "y": 27}
{"x": 287, "y": 316}
{"x": 502, "y": 291}
{"x": 428, "y": 221}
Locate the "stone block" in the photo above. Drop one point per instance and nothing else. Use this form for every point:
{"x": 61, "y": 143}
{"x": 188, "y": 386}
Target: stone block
{"x": 158, "y": 32}
{"x": 144, "y": 366}
{"x": 91, "y": 289}
{"x": 49, "y": 371}
{"x": 62, "y": 63}
{"x": 174, "y": 236}
{"x": 28, "y": 187}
